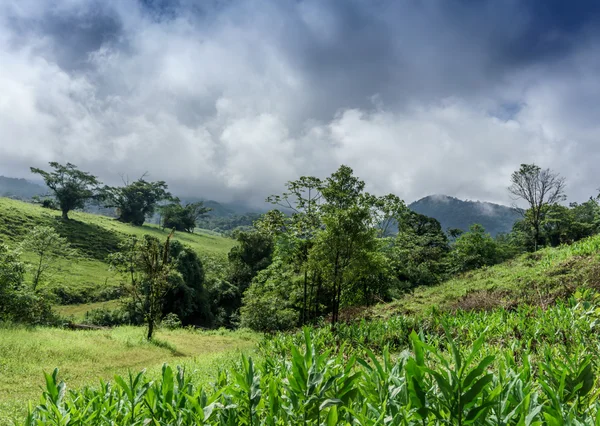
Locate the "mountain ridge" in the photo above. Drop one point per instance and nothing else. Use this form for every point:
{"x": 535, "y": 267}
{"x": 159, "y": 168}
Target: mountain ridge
{"x": 453, "y": 212}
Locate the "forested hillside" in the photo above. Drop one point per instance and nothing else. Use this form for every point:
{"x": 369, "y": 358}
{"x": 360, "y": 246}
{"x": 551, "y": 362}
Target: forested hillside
{"x": 454, "y": 213}
{"x": 19, "y": 188}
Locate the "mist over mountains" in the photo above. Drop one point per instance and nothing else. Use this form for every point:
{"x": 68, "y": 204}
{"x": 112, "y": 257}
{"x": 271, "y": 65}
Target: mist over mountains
{"x": 451, "y": 212}
{"x": 454, "y": 213}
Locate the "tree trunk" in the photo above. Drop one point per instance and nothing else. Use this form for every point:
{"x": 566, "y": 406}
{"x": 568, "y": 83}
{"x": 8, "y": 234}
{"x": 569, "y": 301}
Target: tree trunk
{"x": 65, "y": 214}
{"x": 305, "y": 296}
{"x": 150, "y": 329}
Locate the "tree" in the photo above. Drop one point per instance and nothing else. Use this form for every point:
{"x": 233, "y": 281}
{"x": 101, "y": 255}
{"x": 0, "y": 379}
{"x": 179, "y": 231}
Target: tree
{"x": 17, "y": 302}
{"x": 151, "y": 275}
{"x": 298, "y": 231}
{"x": 347, "y": 235}
{"x": 137, "y": 200}
{"x": 183, "y": 218}
{"x": 71, "y": 187}
{"x": 253, "y": 253}
{"x": 540, "y": 188}
{"x": 475, "y": 249}
{"x": 187, "y": 296}
{"x": 47, "y": 246}
{"x": 419, "y": 251}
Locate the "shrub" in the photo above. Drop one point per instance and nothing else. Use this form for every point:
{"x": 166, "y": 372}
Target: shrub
{"x": 171, "y": 321}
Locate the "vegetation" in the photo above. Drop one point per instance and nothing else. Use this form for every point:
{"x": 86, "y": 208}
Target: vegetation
{"x": 480, "y": 330}
{"x": 146, "y": 265}
{"x": 135, "y": 201}
{"x": 540, "y": 189}
{"x": 71, "y": 187}
{"x": 318, "y": 377}
{"x": 84, "y": 356}
{"x": 183, "y": 218}
{"x": 89, "y": 279}
{"x": 47, "y": 246}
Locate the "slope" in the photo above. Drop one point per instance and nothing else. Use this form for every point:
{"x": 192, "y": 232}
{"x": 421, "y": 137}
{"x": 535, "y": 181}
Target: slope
{"x": 88, "y": 279}
{"x": 538, "y": 278}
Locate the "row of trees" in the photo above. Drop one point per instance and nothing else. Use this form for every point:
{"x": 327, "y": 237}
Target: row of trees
{"x": 331, "y": 246}
{"x": 134, "y": 202}
{"x": 327, "y": 245}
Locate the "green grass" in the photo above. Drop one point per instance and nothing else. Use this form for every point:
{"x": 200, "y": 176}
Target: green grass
{"x": 83, "y": 357}
{"x": 87, "y": 278}
{"x": 78, "y": 311}
{"x": 534, "y": 278}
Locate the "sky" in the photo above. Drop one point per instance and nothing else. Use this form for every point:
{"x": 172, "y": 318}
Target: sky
{"x": 228, "y": 99}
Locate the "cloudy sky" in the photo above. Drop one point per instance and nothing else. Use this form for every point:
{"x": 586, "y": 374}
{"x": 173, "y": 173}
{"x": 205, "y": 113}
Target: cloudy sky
{"x": 229, "y": 99}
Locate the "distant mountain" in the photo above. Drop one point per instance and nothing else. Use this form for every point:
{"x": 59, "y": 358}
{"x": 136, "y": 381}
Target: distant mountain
{"x": 21, "y": 189}
{"x": 454, "y": 213}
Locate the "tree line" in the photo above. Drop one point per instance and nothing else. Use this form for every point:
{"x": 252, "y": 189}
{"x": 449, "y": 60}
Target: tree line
{"x": 331, "y": 245}
{"x": 133, "y": 202}
{"x": 326, "y": 245}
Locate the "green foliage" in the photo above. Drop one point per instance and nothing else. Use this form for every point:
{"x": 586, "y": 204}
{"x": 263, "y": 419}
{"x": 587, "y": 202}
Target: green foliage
{"x": 17, "y": 302}
{"x": 419, "y": 251}
{"x": 229, "y": 223}
{"x": 71, "y": 186}
{"x": 447, "y": 378}
{"x": 149, "y": 276}
{"x": 171, "y": 321}
{"x": 135, "y": 201}
{"x": 106, "y": 317}
{"x": 183, "y": 218}
{"x": 47, "y": 246}
{"x": 187, "y": 297}
{"x": 270, "y": 303}
{"x": 475, "y": 249}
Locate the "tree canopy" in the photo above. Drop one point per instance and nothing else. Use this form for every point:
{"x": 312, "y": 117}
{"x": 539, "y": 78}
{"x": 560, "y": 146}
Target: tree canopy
{"x": 71, "y": 186}
{"x": 137, "y": 200}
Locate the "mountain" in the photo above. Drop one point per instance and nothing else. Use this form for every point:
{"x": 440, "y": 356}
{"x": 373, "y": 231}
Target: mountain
{"x": 454, "y": 213}
{"x": 19, "y": 188}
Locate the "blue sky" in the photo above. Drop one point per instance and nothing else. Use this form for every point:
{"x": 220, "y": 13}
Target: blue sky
{"x": 229, "y": 99}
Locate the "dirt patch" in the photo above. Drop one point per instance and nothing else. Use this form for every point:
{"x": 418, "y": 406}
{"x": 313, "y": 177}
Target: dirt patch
{"x": 485, "y": 300}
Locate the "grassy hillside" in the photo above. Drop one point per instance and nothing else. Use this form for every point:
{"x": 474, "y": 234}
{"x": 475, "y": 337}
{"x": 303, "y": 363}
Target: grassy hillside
{"x": 87, "y": 278}
{"x": 535, "y": 278}
{"x": 83, "y": 357}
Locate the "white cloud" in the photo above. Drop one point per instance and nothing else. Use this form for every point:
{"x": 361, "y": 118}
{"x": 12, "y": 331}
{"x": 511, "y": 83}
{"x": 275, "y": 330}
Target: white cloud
{"x": 233, "y": 103}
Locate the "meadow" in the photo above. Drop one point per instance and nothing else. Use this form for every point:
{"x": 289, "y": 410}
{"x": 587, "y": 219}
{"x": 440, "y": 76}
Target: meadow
{"x": 85, "y": 356}
{"x": 87, "y": 279}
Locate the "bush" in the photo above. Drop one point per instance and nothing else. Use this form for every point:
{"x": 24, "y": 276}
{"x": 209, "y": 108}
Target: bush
{"x": 171, "y": 321}
{"x": 106, "y": 317}
{"x": 19, "y": 303}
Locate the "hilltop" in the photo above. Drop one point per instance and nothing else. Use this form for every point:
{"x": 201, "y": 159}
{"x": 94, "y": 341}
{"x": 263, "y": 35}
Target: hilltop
{"x": 454, "y": 213}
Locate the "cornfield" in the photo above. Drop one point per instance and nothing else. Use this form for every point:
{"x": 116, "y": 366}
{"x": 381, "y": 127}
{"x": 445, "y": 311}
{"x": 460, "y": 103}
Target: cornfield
{"x": 529, "y": 366}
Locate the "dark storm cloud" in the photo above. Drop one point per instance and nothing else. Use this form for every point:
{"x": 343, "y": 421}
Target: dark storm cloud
{"x": 229, "y": 99}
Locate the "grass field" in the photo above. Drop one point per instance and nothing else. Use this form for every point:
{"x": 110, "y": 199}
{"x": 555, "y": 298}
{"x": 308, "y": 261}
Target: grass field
{"x": 535, "y": 278}
{"x": 83, "y": 357}
{"x": 87, "y": 278}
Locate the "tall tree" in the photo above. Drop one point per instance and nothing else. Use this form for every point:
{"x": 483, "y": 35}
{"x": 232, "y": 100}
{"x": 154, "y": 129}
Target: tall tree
{"x": 151, "y": 275}
{"x": 540, "y": 188}
{"x": 303, "y": 198}
{"x": 137, "y": 200}
{"x": 71, "y": 186}
{"x": 347, "y": 235}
